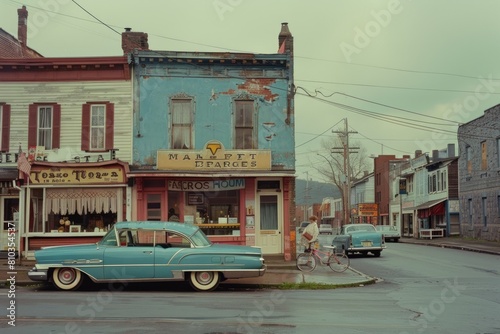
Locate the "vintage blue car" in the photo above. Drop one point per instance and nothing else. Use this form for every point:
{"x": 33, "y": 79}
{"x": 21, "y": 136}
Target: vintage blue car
{"x": 148, "y": 252}
{"x": 359, "y": 238}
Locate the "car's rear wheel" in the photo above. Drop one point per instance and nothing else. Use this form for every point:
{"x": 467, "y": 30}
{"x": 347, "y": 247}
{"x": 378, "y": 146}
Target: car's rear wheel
{"x": 67, "y": 278}
{"x": 204, "y": 280}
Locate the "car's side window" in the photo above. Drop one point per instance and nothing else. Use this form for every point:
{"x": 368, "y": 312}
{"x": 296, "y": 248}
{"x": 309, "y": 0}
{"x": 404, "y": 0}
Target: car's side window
{"x": 109, "y": 239}
{"x": 177, "y": 240}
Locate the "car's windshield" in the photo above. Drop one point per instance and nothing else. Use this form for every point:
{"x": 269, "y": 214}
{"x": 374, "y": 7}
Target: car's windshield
{"x": 360, "y": 228}
{"x": 109, "y": 239}
{"x": 200, "y": 239}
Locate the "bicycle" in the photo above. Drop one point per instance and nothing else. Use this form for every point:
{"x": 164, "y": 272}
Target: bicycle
{"x": 338, "y": 262}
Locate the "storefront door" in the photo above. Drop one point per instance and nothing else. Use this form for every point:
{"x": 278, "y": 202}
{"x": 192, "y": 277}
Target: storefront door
{"x": 9, "y": 208}
{"x": 270, "y": 223}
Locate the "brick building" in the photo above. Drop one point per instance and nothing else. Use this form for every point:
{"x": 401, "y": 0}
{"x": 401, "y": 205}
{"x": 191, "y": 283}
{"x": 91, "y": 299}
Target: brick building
{"x": 479, "y": 176}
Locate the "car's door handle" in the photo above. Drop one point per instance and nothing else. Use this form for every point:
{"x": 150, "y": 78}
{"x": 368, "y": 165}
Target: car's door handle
{"x": 148, "y": 252}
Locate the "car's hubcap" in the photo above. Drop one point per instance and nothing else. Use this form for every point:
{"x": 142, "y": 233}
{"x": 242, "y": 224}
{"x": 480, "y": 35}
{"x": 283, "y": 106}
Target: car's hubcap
{"x": 204, "y": 277}
{"x": 67, "y": 276}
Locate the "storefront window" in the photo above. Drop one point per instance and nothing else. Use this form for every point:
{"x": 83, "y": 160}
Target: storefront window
{"x": 217, "y": 212}
{"x": 76, "y": 210}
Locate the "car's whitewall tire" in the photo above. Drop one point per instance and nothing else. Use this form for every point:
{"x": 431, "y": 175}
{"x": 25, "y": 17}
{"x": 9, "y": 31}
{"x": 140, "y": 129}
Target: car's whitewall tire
{"x": 67, "y": 278}
{"x": 204, "y": 280}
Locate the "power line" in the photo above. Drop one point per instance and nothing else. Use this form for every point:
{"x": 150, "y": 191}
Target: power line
{"x": 86, "y": 11}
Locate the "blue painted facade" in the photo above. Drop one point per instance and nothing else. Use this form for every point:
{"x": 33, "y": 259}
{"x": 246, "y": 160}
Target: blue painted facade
{"x": 214, "y": 143}
{"x": 213, "y": 81}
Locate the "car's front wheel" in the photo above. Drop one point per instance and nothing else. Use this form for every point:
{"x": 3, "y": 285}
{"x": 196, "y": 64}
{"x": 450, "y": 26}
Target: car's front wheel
{"x": 67, "y": 278}
{"x": 204, "y": 280}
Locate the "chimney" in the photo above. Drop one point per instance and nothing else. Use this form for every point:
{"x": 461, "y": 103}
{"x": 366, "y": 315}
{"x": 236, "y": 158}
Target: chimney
{"x": 451, "y": 150}
{"x": 22, "y": 27}
{"x": 435, "y": 155}
{"x": 286, "y": 37}
{"x": 134, "y": 40}
{"x": 418, "y": 153}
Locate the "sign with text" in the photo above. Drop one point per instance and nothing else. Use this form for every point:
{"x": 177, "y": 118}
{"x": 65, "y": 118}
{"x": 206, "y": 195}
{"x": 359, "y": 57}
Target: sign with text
{"x": 89, "y": 175}
{"x": 214, "y": 158}
{"x": 208, "y": 185}
{"x": 368, "y": 209}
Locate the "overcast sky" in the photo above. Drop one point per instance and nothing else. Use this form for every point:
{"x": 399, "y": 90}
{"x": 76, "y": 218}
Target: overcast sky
{"x": 404, "y": 73}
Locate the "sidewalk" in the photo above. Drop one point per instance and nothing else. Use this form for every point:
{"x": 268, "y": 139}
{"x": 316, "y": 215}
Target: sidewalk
{"x": 467, "y": 244}
{"x": 280, "y": 272}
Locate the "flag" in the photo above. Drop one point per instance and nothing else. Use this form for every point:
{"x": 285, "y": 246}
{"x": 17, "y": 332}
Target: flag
{"x": 282, "y": 48}
{"x": 22, "y": 164}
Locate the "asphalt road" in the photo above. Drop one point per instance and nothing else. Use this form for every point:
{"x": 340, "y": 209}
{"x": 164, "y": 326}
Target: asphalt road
{"x": 421, "y": 290}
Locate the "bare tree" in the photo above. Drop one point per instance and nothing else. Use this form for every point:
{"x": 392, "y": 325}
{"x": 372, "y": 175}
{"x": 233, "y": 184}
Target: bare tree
{"x": 333, "y": 167}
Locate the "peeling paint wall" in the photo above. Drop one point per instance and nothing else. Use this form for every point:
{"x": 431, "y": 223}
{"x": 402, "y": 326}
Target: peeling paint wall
{"x": 213, "y": 85}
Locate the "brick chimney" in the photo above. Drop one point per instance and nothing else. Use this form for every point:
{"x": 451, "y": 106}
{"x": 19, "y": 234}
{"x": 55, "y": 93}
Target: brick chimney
{"x": 134, "y": 40}
{"x": 22, "y": 27}
{"x": 286, "y": 37}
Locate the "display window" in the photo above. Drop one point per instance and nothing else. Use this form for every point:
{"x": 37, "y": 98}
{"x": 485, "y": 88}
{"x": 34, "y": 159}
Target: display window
{"x": 215, "y": 212}
{"x": 74, "y": 210}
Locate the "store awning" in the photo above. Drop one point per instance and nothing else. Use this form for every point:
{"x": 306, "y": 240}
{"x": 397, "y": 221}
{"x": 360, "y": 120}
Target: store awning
{"x": 428, "y": 204}
{"x": 8, "y": 174}
{"x": 431, "y": 208}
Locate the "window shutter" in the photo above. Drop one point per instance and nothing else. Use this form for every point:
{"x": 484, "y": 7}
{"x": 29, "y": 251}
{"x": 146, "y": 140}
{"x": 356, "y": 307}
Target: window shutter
{"x": 5, "y": 127}
{"x": 110, "y": 123}
{"x": 85, "y": 127}
{"x": 32, "y": 125}
{"x": 56, "y": 127}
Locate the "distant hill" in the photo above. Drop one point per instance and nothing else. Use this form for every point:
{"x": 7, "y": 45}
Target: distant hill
{"x": 313, "y": 192}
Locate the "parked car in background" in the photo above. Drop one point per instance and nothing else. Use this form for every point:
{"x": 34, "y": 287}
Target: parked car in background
{"x": 359, "y": 238}
{"x": 148, "y": 252}
{"x": 302, "y": 226}
{"x": 325, "y": 229}
{"x": 389, "y": 232}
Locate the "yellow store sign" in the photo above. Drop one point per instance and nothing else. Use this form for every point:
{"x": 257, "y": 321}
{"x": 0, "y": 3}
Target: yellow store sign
{"x": 77, "y": 176}
{"x": 215, "y": 158}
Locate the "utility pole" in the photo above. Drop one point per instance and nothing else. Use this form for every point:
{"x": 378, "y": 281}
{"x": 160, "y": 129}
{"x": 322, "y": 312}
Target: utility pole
{"x": 346, "y": 150}
{"x": 307, "y": 196}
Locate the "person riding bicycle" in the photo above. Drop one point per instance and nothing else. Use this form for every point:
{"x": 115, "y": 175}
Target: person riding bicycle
{"x": 310, "y": 233}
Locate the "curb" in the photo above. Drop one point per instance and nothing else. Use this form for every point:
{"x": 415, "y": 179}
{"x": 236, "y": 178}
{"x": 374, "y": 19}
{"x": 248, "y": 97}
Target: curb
{"x": 459, "y": 247}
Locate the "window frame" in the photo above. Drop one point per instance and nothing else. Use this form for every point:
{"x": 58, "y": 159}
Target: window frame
{"x": 182, "y": 126}
{"x": 468, "y": 155}
{"x": 239, "y": 143}
{"x": 33, "y": 125}
{"x": 484, "y": 155}
{"x": 109, "y": 116}
{"x": 95, "y": 136}
{"x": 4, "y": 127}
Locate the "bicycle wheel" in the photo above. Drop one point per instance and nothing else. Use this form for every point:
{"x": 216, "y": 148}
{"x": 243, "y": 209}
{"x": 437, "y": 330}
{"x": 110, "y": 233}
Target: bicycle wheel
{"x": 338, "y": 262}
{"x": 306, "y": 262}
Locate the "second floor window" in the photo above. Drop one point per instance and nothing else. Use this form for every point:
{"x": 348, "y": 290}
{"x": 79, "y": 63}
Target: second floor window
{"x": 182, "y": 120}
{"x": 244, "y": 125}
{"x": 97, "y": 127}
{"x": 484, "y": 156}
{"x": 4, "y": 127}
{"x": 468, "y": 155}
{"x": 44, "y": 125}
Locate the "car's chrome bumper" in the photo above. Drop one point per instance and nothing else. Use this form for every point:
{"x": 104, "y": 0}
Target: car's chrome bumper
{"x": 365, "y": 249}
{"x": 38, "y": 275}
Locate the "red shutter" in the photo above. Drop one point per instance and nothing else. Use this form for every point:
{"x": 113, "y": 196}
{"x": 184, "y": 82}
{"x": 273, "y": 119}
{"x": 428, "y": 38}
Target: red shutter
{"x": 110, "y": 124}
{"x": 32, "y": 125}
{"x": 56, "y": 127}
{"x": 86, "y": 127}
{"x": 5, "y": 128}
